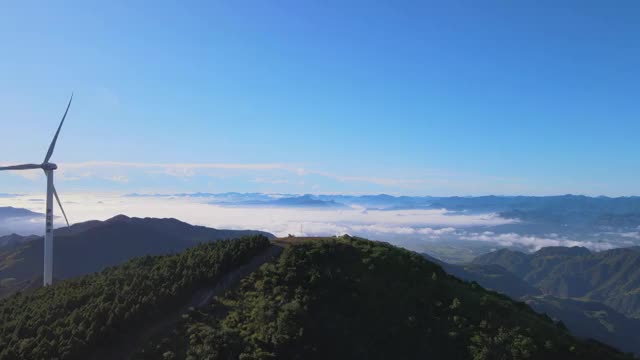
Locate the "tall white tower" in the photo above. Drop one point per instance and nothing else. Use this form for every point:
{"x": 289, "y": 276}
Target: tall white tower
{"x": 51, "y": 192}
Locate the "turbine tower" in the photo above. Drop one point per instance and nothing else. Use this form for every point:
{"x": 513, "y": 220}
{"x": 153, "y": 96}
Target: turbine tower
{"x": 51, "y": 192}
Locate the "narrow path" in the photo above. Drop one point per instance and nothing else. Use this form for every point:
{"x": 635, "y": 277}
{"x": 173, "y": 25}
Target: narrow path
{"x": 231, "y": 279}
{"x": 128, "y": 344}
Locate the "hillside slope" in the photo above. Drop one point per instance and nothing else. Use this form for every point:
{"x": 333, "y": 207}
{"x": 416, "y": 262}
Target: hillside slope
{"x": 349, "y": 298}
{"x": 595, "y": 294}
{"x": 591, "y": 319}
{"x": 491, "y": 277}
{"x": 13, "y": 240}
{"x": 75, "y": 319}
{"x": 611, "y": 277}
{"x": 92, "y": 246}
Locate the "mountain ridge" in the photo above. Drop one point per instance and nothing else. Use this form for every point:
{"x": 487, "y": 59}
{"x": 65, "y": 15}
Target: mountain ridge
{"x": 343, "y": 292}
{"x": 340, "y": 298}
{"x": 593, "y": 293}
{"x": 610, "y": 276}
{"x": 91, "y": 246}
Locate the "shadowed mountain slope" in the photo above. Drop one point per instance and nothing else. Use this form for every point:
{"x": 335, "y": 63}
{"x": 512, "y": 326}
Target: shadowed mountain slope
{"x": 77, "y": 318}
{"x": 597, "y": 295}
{"x": 591, "y": 319}
{"x": 90, "y": 247}
{"x": 611, "y": 277}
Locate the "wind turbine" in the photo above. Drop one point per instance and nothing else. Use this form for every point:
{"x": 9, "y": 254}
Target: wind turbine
{"x": 51, "y": 192}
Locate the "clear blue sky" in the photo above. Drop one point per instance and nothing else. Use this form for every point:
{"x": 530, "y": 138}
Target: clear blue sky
{"x": 432, "y": 98}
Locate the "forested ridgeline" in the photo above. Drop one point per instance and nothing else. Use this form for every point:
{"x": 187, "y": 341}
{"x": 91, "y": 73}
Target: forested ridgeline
{"x": 349, "y": 298}
{"x": 92, "y": 246}
{"x": 72, "y": 318}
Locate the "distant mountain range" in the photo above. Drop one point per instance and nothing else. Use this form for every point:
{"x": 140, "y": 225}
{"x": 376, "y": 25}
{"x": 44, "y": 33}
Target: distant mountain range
{"x": 574, "y": 211}
{"x": 15, "y": 239}
{"x": 491, "y": 203}
{"x": 257, "y": 199}
{"x": 595, "y": 294}
{"x": 14, "y": 220}
{"x": 11, "y": 212}
{"x": 92, "y": 246}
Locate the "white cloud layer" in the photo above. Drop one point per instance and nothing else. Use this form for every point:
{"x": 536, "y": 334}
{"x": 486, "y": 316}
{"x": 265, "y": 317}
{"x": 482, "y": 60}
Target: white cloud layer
{"x": 279, "y": 221}
{"x": 427, "y": 225}
{"x": 533, "y": 242}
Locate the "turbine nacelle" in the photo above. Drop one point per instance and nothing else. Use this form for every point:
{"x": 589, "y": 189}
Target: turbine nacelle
{"x": 49, "y": 166}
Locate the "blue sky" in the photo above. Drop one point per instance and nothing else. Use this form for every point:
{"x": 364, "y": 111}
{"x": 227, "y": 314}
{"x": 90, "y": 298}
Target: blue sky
{"x": 421, "y": 98}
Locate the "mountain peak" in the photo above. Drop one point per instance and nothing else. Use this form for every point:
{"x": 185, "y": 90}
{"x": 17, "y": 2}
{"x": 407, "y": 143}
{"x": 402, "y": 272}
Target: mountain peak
{"x": 118, "y": 218}
{"x": 562, "y": 251}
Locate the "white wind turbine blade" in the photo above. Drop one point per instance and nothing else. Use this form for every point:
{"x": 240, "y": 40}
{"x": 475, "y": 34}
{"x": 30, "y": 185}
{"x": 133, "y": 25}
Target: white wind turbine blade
{"x": 55, "y": 193}
{"x": 55, "y": 138}
{"x": 21, "y": 167}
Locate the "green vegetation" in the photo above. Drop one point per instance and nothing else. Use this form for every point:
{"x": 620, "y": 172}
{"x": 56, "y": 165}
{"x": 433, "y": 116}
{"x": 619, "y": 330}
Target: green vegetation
{"x": 592, "y": 320}
{"x": 586, "y": 288}
{"x": 92, "y": 246}
{"x": 611, "y": 277}
{"x": 72, "y": 319}
{"x": 493, "y": 277}
{"x": 453, "y": 252}
{"x": 349, "y": 298}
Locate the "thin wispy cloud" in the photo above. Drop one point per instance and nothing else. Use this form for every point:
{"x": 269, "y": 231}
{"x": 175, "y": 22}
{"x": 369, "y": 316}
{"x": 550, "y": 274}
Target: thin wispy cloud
{"x": 119, "y": 179}
{"x": 187, "y": 170}
{"x": 272, "y": 177}
{"x": 271, "y": 181}
{"x": 193, "y": 166}
{"x": 28, "y": 175}
{"x": 370, "y": 179}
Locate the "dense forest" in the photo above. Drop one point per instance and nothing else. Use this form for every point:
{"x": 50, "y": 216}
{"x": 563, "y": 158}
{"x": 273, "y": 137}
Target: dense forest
{"x": 73, "y": 318}
{"x": 594, "y": 293}
{"x": 348, "y": 298}
{"x": 611, "y": 277}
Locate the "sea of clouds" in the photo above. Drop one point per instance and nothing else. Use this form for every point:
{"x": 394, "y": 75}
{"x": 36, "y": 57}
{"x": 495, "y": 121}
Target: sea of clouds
{"x": 427, "y": 225}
